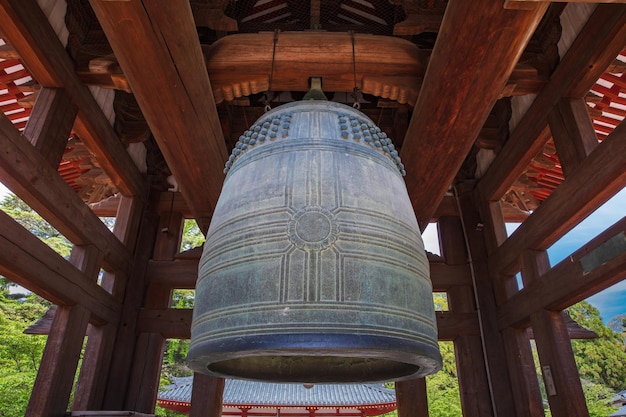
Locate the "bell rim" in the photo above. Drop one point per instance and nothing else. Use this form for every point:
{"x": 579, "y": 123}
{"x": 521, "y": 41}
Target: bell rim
{"x": 215, "y": 356}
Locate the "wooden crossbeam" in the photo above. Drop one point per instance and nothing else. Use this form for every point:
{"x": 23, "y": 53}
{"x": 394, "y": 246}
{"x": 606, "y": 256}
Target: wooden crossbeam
{"x": 171, "y": 85}
{"x": 572, "y": 280}
{"x": 597, "y": 178}
{"x": 176, "y": 323}
{"x": 31, "y": 177}
{"x": 29, "y": 262}
{"x": 596, "y": 46}
{"x": 449, "y": 114}
{"x": 30, "y": 33}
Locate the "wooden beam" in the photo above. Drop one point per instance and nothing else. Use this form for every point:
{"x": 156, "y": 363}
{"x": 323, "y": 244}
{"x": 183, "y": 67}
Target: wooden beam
{"x": 598, "y": 43}
{"x": 523, "y": 4}
{"x": 55, "y": 378}
{"x": 171, "y": 85}
{"x": 597, "y": 178}
{"x": 573, "y": 133}
{"x": 29, "y": 262}
{"x": 240, "y": 65}
{"x": 176, "y": 323}
{"x": 29, "y": 175}
{"x": 464, "y": 78}
{"x": 568, "y": 282}
{"x": 30, "y": 33}
{"x": 50, "y": 123}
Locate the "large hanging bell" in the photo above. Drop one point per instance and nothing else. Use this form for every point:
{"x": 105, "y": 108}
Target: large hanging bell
{"x": 314, "y": 269}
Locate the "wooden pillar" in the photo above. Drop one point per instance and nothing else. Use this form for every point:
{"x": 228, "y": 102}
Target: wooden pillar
{"x": 487, "y": 294}
{"x": 206, "y": 396}
{"x": 411, "y": 398}
{"x": 53, "y": 385}
{"x": 50, "y": 124}
{"x": 118, "y": 379}
{"x": 524, "y": 382}
{"x": 148, "y": 358}
{"x": 92, "y": 381}
{"x": 55, "y": 379}
{"x": 558, "y": 367}
{"x": 470, "y": 361}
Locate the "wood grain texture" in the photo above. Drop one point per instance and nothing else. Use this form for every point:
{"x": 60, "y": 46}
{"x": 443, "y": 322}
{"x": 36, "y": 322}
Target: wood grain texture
{"x": 206, "y": 396}
{"x": 31, "y": 177}
{"x": 50, "y": 124}
{"x": 28, "y": 30}
{"x": 596, "y": 179}
{"x": 464, "y": 78}
{"x": 411, "y": 398}
{"x": 565, "y": 283}
{"x": 171, "y": 85}
{"x": 53, "y": 385}
{"x": 596, "y": 46}
{"x": 29, "y": 262}
{"x": 573, "y": 133}
{"x": 240, "y": 65}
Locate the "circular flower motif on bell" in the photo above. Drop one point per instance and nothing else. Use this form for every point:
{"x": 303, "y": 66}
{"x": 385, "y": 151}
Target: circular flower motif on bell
{"x": 313, "y": 227}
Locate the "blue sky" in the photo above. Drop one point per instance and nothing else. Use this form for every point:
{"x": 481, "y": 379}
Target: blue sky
{"x": 611, "y": 301}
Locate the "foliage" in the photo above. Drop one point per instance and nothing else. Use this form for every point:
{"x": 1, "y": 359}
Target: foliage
{"x": 20, "y": 354}
{"x": 598, "y": 397}
{"x": 618, "y": 324}
{"x": 34, "y": 223}
{"x": 601, "y": 360}
{"x": 192, "y": 236}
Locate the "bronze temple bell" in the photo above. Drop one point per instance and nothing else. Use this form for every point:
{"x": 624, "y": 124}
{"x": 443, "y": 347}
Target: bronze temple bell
{"x": 314, "y": 269}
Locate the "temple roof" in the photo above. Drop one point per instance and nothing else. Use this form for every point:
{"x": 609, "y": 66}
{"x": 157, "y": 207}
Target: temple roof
{"x": 252, "y": 393}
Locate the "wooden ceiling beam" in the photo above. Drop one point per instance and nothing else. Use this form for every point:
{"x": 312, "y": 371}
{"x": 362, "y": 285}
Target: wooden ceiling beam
{"x": 597, "y": 178}
{"x": 569, "y": 281}
{"x": 30, "y": 33}
{"x": 27, "y": 173}
{"x": 464, "y": 78}
{"x": 29, "y": 262}
{"x": 598, "y": 43}
{"x": 170, "y": 82}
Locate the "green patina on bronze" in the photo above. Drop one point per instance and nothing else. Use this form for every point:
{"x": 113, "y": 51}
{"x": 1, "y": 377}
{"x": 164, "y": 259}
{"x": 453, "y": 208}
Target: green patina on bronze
{"x": 314, "y": 268}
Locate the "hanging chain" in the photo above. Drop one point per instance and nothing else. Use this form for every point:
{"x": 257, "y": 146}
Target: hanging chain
{"x": 356, "y": 92}
{"x": 268, "y": 93}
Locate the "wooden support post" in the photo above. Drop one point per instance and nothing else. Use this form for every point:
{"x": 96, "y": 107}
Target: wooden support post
{"x": 573, "y": 132}
{"x": 526, "y": 392}
{"x": 123, "y": 352}
{"x": 50, "y": 124}
{"x": 487, "y": 295}
{"x": 470, "y": 361}
{"x": 53, "y": 385}
{"x": 92, "y": 381}
{"x": 55, "y": 378}
{"x": 206, "y": 396}
{"x": 560, "y": 374}
{"x": 146, "y": 367}
{"x": 411, "y": 398}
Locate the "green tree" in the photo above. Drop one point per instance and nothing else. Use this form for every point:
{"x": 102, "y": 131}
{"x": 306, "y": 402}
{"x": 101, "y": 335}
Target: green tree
{"x": 602, "y": 360}
{"x": 34, "y": 223}
{"x": 20, "y": 354}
